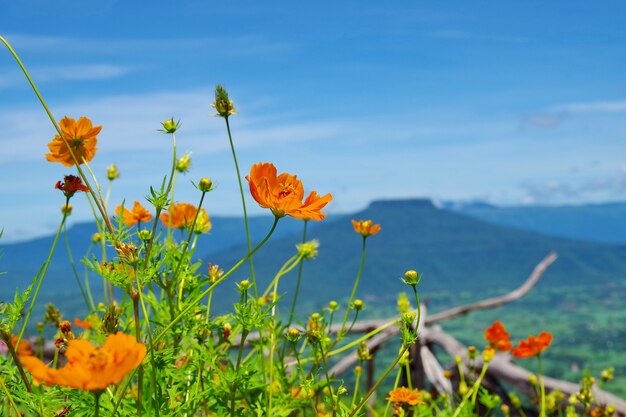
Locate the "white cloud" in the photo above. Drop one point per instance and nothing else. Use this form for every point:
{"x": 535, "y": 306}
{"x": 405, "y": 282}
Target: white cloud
{"x": 233, "y": 46}
{"x": 592, "y": 107}
{"x": 64, "y": 73}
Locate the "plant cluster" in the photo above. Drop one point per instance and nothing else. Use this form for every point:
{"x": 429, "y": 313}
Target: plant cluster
{"x": 151, "y": 345}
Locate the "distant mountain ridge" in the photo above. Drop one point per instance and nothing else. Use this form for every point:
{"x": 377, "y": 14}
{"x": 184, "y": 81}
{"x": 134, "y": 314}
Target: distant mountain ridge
{"x": 605, "y": 222}
{"x": 453, "y": 250}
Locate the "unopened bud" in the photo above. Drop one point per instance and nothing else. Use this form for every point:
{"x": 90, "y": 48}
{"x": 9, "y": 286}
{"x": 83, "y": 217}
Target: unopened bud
{"x": 112, "y": 172}
{"x": 205, "y": 185}
{"x": 66, "y": 209}
{"x": 358, "y": 305}
{"x": 411, "y": 277}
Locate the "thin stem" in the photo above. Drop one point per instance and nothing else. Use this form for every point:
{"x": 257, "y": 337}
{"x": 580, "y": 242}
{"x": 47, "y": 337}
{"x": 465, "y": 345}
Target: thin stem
{"x": 243, "y": 204}
{"x": 159, "y": 209}
{"x": 182, "y": 256}
{"x": 198, "y": 299}
{"x": 71, "y": 258}
{"x": 354, "y": 288}
{"x": 97, "y": 403}
{"x": 297, "y": 290}
{"x": 8, "y": 394}
{"x": 233, "y": 390}
{"x": 542, "y": 412}
{"x": 135, "y": 298}
{"x": 59, "y": 131}
{"x": 7, "y": 341}
{"x": 41, "y": 276}
{"x": 395, "y": 385}
{"x": 380, "y": 381}
{"x": 330, "y": 387}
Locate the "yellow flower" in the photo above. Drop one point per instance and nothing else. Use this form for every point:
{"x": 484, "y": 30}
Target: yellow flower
{"x": 89, "y": 367}
{"x": 223, "y": 104}
{"x": 365, "y": 227}
{"x": 81, "y": 136}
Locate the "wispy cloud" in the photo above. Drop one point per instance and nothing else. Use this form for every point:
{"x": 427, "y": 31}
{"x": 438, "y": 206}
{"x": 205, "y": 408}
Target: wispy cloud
{"x": 241, "y": 45}
{"x": 616, "y": 106}
{"x": 66, "y": 73}
{"x": 454, "y": 34}
{"x": 612, "y": 185}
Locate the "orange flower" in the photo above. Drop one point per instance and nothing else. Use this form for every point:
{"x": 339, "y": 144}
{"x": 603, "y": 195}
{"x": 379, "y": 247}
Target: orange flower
{"x": 85, "y": 324}
{"x": 89, "y": 367}
{"x": 405, "y": 395}
{"x": 181, "y": 215}
{"x": 365, "y": 227}
{"x": 137, "y": 215}
{"x": 533, "y": 345}
{"x": 23, "y": 349}
{"x": 283, "y": 194}
{"x": 498, "y": 337}
{"x": 81, "y": 136}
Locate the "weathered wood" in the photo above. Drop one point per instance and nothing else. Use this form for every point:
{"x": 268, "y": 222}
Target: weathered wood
{"x": 498, "y": 301}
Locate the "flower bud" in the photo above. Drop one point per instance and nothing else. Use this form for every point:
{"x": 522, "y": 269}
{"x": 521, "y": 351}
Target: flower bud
{"x": 144, "y": 235}
{"x": 110, "y": 320}
{"x": 293, "y": 334}
{"x": 358, "y": 370}
{"x": 96, "y": 238}
{"x": 308, "y": 250}
{"x": 411, "y": 277}
{"x": 170, "y": 126}
{"x": 244, "y": 285}
{"x": 183, "y": 163}
{"x": 66, "y": 209}
{"x": 223, "y": 105}
{"x": 342, "y": 390}
{"x": 358, "y": 305}
{"x": 488, "y": 354}
{"x": 505, "y": 409}
{"x": 112, "y": 172}
{"x": 333, "y": 306}
{"x": 471, "y": 352}
{"x": 205, "y": 185}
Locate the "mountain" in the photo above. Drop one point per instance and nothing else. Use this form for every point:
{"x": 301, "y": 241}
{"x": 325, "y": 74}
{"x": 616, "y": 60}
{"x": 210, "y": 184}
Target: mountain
{"x": 454, "y": 252}
{"x": 595, "y": 222}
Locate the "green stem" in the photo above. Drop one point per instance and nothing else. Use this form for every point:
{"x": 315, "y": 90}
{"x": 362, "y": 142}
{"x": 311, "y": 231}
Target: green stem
{"x": 243, "y": 204}
{"x": 297, "y": 290}
{"x": 542, "y": 411}
{"x": 380, "y": 381}
{"x": 7, "y": 341}
{"x": 198, "y": 299}
{"x": 10, "y": 398}
{"x": 41, "y": 276}
{"x": 354, "y": 288}
{"x": 330, "y": 387}
{"x": 159, "y": 209}
{"x": 71, "y": 258}
{"x": 135, "y": 298}
{"x": 233, "y": 390}
{"x": 56, "y": 126}
{"x": 395, "y": 385}
{"x": 97, "y": 403}
{"x": 182, "y": 257}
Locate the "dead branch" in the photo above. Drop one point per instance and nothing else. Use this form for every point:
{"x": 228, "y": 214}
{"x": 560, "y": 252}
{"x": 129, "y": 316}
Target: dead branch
{"x": 500, "y": 300}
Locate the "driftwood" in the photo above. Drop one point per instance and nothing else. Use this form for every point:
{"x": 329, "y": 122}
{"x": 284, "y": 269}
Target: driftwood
{"x": 498, "y": 301}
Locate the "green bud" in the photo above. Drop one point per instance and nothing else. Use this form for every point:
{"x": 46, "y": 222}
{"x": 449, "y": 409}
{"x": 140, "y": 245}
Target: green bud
{"x": 205, "y": 185}
{"x": 170, "y": 126}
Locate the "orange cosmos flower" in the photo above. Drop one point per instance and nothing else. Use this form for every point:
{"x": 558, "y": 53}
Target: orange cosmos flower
{"x": 283, "y": 194}
{"x": 89, "y": 367}
{"x": 532, "y": 346}
{"x": 404, "y": 395}
{"x": 23, "y": 349}
{"x": 81, "y": 136}
{"x": 181, "y": 215}
{"x": 137, "y": 215}
{"x": 497, "y": 335}
{"x": 365, "y": 227}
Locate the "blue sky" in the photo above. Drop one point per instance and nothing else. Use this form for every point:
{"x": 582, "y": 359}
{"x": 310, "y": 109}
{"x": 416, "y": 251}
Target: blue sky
{"x": 509, "y": 102}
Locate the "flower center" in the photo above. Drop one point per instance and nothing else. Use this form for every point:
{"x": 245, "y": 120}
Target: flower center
{"x": 98, "y": 359}
{"x": 285, "y": 190}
